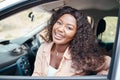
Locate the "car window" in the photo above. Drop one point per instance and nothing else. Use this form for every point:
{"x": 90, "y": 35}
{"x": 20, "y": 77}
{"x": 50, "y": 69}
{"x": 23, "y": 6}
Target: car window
{"x": 108, "y": 36}
{"x": 17, "y": 25}
{"x": 107, "y": 32}
{"x": 23, "y": 22}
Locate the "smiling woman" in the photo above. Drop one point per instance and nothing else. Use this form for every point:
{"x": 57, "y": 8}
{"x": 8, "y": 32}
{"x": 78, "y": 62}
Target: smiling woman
{"x": 66, "y": 49}
{"x": 71, "y": 43}
{"x": 64, "y": 29}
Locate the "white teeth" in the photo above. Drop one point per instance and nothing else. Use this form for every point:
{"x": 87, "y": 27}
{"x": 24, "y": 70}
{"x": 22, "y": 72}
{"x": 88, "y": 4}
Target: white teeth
{"x": 59, "y": 35}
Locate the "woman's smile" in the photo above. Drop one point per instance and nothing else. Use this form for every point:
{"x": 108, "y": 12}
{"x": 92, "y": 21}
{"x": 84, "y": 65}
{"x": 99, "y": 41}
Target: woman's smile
{"x": 58, "y": 36}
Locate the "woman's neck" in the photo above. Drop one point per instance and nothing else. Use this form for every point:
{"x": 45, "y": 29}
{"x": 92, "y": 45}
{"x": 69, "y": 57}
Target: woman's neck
{"x": 60, "y": 48}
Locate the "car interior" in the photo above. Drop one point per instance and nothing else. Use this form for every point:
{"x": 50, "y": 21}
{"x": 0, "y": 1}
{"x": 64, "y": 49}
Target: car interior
{"x": 100, "y": 30}
{"x": 18, "y": 54}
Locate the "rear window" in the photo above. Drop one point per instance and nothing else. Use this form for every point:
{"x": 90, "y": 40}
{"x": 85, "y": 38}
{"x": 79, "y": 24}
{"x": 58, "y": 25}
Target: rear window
{"x": 110, "y": 31}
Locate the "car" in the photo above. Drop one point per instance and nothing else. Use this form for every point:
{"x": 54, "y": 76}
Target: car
{"x": 23, "y": 24}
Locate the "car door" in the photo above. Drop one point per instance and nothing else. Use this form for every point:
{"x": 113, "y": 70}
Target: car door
{"x": 10, "y": 64}
{"x": 19, "y": 37}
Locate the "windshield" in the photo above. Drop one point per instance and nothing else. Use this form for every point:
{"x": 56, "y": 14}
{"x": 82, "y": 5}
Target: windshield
{"x": 19, "y": 24}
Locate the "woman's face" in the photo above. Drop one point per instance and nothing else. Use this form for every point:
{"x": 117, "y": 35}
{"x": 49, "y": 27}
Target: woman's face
{"x": 64, "y": 29}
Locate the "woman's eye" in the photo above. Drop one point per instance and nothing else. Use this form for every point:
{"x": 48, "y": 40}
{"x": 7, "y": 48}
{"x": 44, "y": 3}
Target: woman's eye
{"x": 69, "y": 28}
{"x": 58, "y": 22}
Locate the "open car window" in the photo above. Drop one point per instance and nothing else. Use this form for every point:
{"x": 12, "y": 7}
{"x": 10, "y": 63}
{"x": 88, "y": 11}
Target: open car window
{"x": 20, "y": 36}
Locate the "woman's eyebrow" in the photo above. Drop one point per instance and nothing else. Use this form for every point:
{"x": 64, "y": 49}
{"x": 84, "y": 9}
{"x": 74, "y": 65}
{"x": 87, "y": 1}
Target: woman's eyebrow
{"x": 67, "y": 23}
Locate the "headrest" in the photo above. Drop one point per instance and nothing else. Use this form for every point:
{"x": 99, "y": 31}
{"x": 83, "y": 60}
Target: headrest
{"x": 101, "y": 27}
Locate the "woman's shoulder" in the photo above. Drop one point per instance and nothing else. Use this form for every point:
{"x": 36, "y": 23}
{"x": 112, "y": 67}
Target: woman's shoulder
{"x": 45, "y": 44}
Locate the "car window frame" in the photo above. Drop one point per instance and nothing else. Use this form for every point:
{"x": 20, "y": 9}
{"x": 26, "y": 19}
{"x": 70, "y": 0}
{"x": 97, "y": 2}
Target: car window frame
{"x": 115, "y": 57}
{"x": 20, "y": 6}
{"x": 115, "y": 62}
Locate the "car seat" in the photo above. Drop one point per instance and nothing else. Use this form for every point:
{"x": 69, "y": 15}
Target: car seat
{"x": 100, "y": 29}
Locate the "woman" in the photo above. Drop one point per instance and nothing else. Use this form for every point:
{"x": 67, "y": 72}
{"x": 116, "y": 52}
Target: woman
{"x": 70, "y": 49}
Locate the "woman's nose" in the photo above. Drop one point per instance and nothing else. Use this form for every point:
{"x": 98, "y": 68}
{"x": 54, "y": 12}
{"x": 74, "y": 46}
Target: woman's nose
{"x": 61, "y": 28}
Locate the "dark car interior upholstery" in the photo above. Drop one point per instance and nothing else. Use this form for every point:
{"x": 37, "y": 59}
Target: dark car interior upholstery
{"x": 100, "y": 29}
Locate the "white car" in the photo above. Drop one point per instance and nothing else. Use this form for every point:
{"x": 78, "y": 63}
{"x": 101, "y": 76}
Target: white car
{"x": 22, "y": 24}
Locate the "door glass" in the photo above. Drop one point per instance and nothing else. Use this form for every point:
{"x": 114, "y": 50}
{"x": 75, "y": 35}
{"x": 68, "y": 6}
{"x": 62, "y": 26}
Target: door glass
{"x": 107, "y": 33}
{"x": 110, "y": 31}
{"x": 19, "y": 24}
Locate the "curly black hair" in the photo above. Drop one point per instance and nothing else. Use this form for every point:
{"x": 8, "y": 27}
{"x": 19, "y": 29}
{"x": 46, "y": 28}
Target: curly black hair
{"x": 85, "y": 52}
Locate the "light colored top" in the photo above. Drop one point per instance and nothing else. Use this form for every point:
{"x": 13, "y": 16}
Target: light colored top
{"x": 51, "y": 71}
{"x": 42, "y": 62}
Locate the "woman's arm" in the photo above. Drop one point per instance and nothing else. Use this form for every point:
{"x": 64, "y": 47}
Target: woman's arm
{"x": 105, "y": 69}
{"x": 37, "y": 65}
